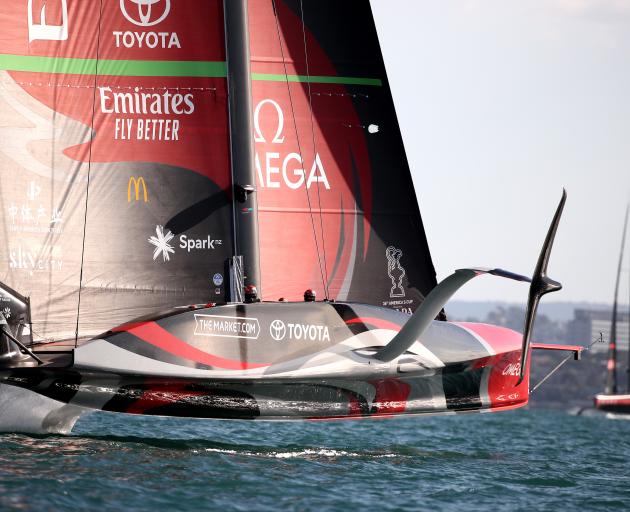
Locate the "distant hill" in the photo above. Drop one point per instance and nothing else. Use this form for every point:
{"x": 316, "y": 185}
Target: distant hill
{"x": 556, "y": 311}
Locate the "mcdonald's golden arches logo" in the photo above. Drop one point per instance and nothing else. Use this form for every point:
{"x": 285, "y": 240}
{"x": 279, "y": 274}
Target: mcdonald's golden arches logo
{"x": 136, "y": 183}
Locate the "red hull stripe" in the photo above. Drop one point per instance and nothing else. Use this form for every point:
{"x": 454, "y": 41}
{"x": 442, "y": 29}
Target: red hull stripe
{"x": 376, "y": 322}
{"x": 155, "y": 335}
{"x": 164, "y": 395}
{"x": 622, "y": 400}
{"x": 391, "y": 396}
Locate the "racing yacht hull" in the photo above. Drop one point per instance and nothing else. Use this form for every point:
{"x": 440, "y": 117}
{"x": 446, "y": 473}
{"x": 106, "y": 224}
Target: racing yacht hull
{"x": 282, "y": 361}
{"x": 614, "y": 403}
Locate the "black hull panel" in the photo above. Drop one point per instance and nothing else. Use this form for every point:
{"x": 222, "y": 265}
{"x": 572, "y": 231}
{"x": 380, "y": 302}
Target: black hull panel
{"x": 439, "y": 393}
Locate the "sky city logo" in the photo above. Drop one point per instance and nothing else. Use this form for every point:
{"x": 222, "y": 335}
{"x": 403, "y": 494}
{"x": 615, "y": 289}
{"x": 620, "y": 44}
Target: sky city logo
{"x": 145, "y": 12}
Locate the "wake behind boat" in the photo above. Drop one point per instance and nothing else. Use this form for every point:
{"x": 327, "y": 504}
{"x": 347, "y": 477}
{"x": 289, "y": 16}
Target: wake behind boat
{"x": 209, "y": 155}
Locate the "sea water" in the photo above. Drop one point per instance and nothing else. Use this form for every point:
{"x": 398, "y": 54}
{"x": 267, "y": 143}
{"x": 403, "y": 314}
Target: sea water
{"x": 521, "y": 460}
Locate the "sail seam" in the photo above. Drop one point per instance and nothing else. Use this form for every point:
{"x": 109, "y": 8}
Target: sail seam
{"x": 297, "y": 136}
{"x": 310, "y": 107}
{"x": 87, "y": 186}
{"x": 611, "y": 378}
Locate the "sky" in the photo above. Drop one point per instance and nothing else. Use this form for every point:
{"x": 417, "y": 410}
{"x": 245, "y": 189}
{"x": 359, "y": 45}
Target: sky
{"x": 501, "y": 105}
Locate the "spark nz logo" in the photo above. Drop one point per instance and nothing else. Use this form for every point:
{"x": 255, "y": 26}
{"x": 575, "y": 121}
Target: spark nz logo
{"x": 162, "y": 243}
{"x": 280, "y": 169}
{"x": 146, "y": 15}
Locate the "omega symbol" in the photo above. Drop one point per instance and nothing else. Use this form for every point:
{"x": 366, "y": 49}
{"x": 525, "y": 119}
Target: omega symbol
{"x": 258, "y": 135}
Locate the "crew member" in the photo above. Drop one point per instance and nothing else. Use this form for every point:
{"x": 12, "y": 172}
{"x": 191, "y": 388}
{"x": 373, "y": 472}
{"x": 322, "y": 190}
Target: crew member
{"x": 309, "y": 295}
{"x": 251, "y": 294}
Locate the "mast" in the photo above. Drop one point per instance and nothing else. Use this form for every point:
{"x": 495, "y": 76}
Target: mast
{"x": 611, "y": 379}
{"x": 245, "y": 207}
{"x": 628, "y": 368}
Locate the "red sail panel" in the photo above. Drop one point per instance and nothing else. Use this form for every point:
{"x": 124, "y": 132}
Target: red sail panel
{"x": 306, "y": 170}
{"x": 337, "y": 208}
{"x": 116, "y": 127}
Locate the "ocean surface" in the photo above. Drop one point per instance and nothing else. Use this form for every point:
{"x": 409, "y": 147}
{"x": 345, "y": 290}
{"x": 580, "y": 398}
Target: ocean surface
{"x": 521, "y": 460}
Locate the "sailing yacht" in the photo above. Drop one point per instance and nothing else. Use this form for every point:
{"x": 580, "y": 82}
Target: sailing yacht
{"x": 612, "y": 400}
{"x": 158, "y": 159}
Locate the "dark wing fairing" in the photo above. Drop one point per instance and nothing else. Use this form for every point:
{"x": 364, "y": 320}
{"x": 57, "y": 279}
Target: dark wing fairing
{"x": 541, "y": 285}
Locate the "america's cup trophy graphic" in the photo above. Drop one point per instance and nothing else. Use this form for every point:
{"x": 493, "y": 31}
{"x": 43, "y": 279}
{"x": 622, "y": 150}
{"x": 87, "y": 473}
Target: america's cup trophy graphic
{"x": 395, "y": 271}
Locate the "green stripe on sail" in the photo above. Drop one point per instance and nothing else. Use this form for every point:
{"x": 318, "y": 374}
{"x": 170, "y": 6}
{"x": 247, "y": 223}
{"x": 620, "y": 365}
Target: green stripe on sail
{"x": 163, "y": 68}
{"x": 206, "y": 69}
{"x": 69, "y": 66}
{"x": 345, "y": 80}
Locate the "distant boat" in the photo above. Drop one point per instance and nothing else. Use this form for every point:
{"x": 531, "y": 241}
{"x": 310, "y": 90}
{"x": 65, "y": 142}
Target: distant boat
{"x": 612, "y": 400}
{"x": 170, "y": 171}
